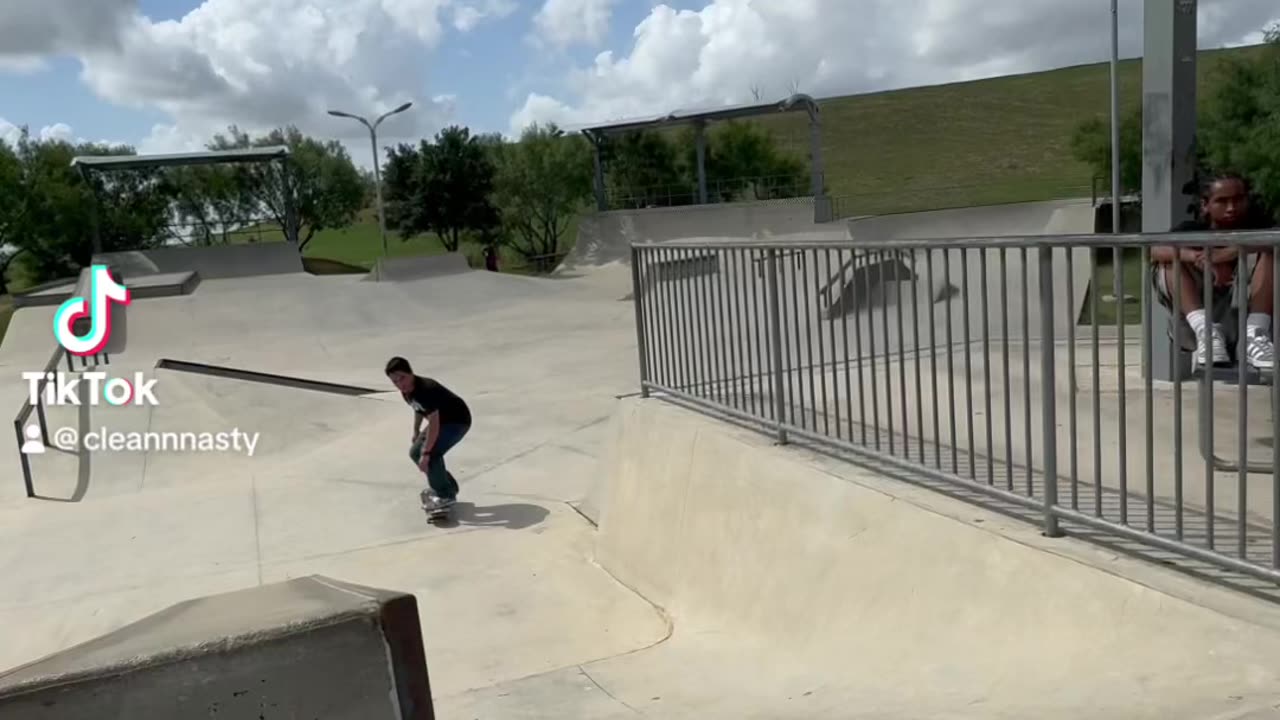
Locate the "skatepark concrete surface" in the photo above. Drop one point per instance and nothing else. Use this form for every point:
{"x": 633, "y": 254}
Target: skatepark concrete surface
{"x": 611, "y": 557}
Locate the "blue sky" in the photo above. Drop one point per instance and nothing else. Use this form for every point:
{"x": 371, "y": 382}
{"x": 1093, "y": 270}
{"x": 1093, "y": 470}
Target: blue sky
{"x": 164, "y": 75}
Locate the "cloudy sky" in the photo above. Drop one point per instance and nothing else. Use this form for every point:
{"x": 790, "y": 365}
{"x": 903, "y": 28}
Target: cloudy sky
{"x": 164, "y": 75}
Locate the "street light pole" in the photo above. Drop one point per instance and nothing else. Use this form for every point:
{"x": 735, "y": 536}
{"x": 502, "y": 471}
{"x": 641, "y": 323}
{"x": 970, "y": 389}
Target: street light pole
{"x": 377, "y": 170}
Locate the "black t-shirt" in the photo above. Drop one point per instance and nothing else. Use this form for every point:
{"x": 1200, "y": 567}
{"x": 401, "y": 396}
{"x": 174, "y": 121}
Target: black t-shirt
{"x": 428, "y": 396}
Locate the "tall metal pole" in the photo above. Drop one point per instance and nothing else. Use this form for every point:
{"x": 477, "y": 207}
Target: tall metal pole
{"x": 377, "y": 165}
{"x": 1115, "y": 117}
{"x": 377, "y": 186}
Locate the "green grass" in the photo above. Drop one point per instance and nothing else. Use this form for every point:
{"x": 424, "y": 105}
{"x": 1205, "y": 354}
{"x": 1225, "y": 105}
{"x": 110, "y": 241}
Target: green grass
{"x": 983, "y": 142}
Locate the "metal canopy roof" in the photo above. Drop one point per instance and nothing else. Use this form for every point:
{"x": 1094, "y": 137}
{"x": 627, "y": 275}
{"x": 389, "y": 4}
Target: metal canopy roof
{"x": 212, "y": 157}
{"x": 792, "y": 104}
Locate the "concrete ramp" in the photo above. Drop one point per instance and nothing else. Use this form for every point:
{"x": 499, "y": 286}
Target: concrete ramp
{"x": 606, "y": 237}
{"x": 400, "y": 269}
{"x": 210, "y": 262}
{"x": 309, "y": 647}
{"x": 796, "y": 593}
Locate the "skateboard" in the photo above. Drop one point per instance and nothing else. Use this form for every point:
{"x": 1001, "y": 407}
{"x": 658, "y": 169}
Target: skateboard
{"x": 437, "y": 516}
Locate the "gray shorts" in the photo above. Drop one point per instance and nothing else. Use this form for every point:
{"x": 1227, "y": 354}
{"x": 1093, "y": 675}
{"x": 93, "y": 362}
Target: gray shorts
{"x": 1221, "y": 311}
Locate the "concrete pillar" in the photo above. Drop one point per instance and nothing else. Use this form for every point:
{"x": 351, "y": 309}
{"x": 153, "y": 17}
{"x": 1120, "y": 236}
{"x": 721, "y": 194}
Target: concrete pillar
{"x": 1168, "y": 145}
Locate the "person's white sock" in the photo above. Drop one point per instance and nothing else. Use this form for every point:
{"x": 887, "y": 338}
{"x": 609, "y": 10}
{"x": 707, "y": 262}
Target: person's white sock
{"x": 1195, "y": 319}
{"x": 1259, "y": 323}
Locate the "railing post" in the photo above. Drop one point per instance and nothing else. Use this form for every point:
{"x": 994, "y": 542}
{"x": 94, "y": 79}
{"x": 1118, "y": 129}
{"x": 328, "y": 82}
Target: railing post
{"x": 1048, "y": 391}
{"x": 44, "y": 425}
{"x": 641, "y": 344}
{"x": 775, "y": 345}
{"x": 26, "y": 463}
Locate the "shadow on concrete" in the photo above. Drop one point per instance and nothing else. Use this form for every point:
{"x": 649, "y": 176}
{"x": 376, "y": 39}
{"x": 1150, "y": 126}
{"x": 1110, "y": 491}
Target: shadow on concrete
{"x": 512, "y": 516}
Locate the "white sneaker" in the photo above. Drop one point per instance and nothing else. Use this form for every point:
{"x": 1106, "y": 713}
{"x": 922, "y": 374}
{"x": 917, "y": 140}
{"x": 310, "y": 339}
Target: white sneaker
{"x": 1259, "y": 351}
{"x": 1214, "y": 342}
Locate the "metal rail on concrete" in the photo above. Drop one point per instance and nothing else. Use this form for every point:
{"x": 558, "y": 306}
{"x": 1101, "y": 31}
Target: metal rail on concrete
{"x": 24, "y": 414}
{"x": 948, "y": 383}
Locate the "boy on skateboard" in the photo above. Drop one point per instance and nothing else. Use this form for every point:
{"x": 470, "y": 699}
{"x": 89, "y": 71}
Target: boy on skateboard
{"x": 448, "y": 420}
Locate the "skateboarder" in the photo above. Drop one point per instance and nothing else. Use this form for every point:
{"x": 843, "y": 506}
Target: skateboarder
{"x": 1224, "y": 206}
{"x": 448, "y": 420}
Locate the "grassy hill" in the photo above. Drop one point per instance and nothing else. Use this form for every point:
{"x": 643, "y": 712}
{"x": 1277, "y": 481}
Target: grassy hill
{"x": 982, "y": 142}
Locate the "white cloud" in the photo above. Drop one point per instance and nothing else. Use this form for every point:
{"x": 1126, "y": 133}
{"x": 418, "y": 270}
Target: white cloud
{"x": 32, "y": 28}
{"x": 714, "y": 56}
{"x": 11, "y": 134}
{"x": 467, "y": 17}
{"x": 261, "y": 64}
{"x": 561, "y": 23}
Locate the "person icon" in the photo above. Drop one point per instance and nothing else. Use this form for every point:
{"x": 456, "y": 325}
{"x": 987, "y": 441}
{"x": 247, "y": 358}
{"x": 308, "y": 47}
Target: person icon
{"x": 34, "y": 445}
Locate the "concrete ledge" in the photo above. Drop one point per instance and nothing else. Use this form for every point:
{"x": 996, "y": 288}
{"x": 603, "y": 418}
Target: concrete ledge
{"x": 308, "y": 647}
{"x": 212, "y": 262}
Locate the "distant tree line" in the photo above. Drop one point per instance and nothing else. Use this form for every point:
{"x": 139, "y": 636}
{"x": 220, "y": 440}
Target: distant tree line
{"x": 1238, "y": 128}
{"x": 523, "y": 195}
{"x": 48, "y": 212}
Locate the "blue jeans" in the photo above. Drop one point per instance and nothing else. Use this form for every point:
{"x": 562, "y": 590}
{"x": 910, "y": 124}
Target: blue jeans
{"x": 438, "y": 476}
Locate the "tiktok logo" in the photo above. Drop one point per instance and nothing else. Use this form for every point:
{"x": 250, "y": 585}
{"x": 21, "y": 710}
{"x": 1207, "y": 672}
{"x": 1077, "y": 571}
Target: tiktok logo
{"x": 103, "y": 290}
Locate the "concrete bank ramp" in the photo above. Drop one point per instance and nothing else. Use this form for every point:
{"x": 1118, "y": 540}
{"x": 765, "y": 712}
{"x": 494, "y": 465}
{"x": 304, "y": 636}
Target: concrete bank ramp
{"x": 606, "y": 237}
{"x": 795, "y": 593}
{"x": 399, "y": 269}
{"x": 302, "y": 648}
{"x": 211, "y": 262}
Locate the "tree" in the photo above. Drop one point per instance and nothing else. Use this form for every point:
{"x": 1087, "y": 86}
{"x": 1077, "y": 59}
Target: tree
{"x": 212, "y": 201}
{"x": 12, "y": 210}
{"x": 540, "y": 185}
{"x": 52, "y": 220}
{"x": 444, "y": 187}
{"x": 644, "y": 169}
{"x": 743, "y": 160}
{"x": 317, "y": 188}
{"x": 1240, "y": 121}
{"x": 1091, "y": 144}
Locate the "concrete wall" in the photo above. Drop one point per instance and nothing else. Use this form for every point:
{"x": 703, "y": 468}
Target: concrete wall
{"x": 835, "y": 583}
{"x": 306, "y": 648}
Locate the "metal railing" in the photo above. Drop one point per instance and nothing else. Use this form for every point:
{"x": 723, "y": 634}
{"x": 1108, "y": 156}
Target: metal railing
{"x": 979, "y": 361}
{"x": 24, "y": 412}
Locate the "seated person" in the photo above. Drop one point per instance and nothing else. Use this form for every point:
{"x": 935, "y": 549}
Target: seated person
{"x": 1224, "y": 206}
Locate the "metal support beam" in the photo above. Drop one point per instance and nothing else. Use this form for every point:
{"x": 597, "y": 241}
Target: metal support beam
{"x": 700, "y": 139}
{"x": 602, "y": 202}
{"x": 817, "y": 180}
{"x": 1168, "y": 145}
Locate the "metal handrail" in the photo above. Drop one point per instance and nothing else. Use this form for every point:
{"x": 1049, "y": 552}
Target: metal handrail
{"x": 24, "y": 413}
{"x": 1259, "y": 238}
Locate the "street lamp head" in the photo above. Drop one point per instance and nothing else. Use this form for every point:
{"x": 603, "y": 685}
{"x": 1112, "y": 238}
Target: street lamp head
{"x": 339, "y": 113}
{"x": 402, "y": 108}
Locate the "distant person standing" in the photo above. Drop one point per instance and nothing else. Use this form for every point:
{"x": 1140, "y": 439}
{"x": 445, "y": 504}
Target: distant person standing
{"x": 448, "y": 421}
{"x": 490, "y": 259}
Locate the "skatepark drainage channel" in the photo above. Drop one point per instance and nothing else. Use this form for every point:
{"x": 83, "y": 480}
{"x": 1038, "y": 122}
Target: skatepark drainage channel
{"x": 265, "y": 378}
